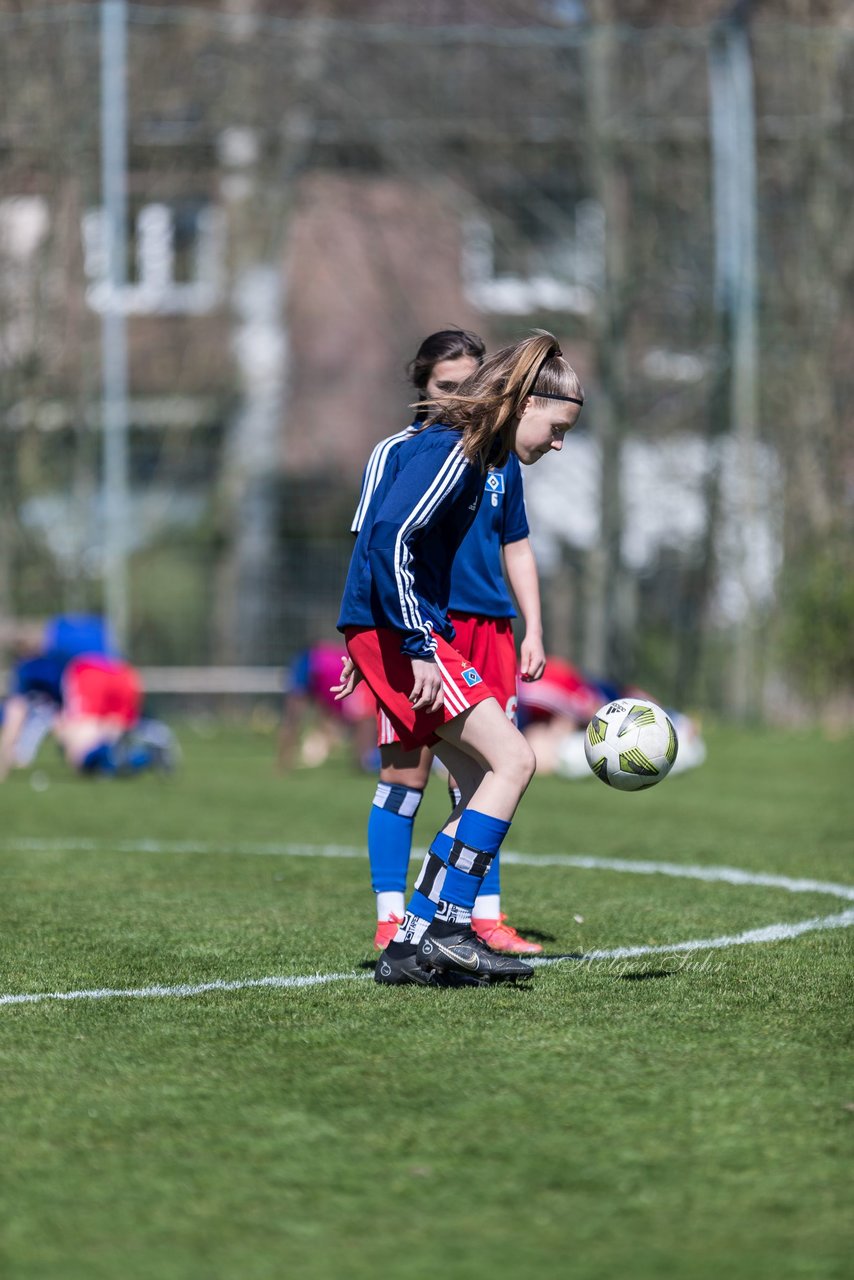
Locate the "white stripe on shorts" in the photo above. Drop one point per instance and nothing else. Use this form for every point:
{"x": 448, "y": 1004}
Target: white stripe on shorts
{"x": 387, "y": 731}
{"x": 457, "y": 701}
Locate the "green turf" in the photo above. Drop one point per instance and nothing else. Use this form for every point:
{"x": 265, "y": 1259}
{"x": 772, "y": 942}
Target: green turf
{"x": 668, "y": 1116}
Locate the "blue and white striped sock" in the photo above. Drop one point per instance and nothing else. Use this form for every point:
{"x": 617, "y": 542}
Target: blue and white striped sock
{"x": 422, "y": 906}
{"x": 477, "y": 841}
{"x": 390, "y": 844}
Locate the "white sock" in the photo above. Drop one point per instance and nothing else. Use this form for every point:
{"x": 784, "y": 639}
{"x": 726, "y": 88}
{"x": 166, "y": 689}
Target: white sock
{"x": 452, "y": 913}
{"x": 390, "y": 904}
{"x": 412, "y": 930}
{"x": 487, "y": 906}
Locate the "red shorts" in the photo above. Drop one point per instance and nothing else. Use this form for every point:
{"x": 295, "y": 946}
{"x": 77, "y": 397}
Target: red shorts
{"x": 101, "y": 689}
{"x": 388, "y": 673}
{"x": 489, "y": 646}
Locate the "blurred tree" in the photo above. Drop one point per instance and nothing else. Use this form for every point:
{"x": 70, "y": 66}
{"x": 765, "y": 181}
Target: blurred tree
{"x": 395, "y": 127}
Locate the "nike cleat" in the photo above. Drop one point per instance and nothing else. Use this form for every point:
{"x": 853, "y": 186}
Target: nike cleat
{"x": 463, "y": 952}
{"x": 386, "y": 929}
{"x": 406, "y": 971}
{"x": 499, "y": 936}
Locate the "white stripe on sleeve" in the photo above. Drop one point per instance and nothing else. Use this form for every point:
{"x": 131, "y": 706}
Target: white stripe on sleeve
{"x": 443, "y": 484}
{"x": 374, "y": 473}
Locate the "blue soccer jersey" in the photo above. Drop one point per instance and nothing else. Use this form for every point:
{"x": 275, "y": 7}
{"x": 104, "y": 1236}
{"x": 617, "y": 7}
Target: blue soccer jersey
{"x": 40, "y": 675}
{"x": 410, "y": 531}
{"x": 477, "y": 578}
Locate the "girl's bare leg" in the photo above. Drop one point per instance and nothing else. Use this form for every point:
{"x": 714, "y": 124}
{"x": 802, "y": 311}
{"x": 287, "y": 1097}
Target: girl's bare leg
{"x": 491, "y": 742}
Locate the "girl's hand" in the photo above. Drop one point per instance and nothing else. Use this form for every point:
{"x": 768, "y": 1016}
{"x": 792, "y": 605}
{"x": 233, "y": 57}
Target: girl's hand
{"x": 350, "y": 677}
{"x": 426, "y": 692}
{"x": 533, "y": 658}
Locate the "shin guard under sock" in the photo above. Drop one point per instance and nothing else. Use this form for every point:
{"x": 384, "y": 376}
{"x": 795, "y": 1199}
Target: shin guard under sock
{"x": 478, "y": 840}
{"x": 421, "y": 907}
{"x": 390, "y": 826}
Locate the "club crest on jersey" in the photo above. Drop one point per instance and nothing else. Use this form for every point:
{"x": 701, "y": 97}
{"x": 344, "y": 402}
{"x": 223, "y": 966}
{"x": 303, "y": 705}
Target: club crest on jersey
{"x": 495, "y": 486}
{"x": 471, "y": 677}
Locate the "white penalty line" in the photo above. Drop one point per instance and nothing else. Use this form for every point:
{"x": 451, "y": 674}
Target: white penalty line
{"x": 728, "y": 875}
{"x": 290, "y": 849}
{"x": 770, "y": 933}
{"x": 181, "y": 989}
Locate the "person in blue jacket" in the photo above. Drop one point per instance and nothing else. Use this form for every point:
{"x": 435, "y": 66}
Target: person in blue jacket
{"x": 89, "y": 701}
{"x": 31, "y": 708}
{"x": 481, "y": 610}
{"x": 394, "y": 616}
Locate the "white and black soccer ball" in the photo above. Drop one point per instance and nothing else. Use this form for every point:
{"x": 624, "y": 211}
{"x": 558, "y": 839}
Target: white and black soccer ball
{"x": 630, "y": 744}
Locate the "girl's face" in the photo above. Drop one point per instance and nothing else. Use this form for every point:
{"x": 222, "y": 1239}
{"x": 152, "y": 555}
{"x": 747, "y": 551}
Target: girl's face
{"x": 541, "y": 428}
{"x": 447, "y": 375}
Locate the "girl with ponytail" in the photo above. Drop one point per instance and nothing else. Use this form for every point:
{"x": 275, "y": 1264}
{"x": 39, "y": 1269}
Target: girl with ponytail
{"x": 394, "y": 617}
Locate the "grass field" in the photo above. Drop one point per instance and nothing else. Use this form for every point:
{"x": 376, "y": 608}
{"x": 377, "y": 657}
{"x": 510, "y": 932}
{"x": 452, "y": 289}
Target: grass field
{"x": 672, "y": 1114}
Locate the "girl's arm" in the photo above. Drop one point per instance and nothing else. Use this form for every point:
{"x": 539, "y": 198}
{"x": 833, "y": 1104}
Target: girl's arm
{"x": 521, "y": 569}
{"x": 380, "y": 456}
{"x": 426, "y": 692}
{"x": 350, "y": 677}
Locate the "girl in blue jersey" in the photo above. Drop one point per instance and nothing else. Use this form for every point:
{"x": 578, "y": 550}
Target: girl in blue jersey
{"x": 481, "y": 611}
{"x": 394, "y": 616}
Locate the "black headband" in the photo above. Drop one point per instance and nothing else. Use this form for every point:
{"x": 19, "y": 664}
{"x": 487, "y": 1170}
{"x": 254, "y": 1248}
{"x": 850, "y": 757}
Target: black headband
{"x": 551, "y": 395}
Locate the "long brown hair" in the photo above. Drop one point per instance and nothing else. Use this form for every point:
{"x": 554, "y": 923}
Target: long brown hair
{"x": 486, "y": 406}
{"x": 445, "y": 344}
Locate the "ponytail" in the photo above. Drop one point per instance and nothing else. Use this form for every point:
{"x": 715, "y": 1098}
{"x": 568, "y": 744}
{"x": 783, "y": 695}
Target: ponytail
{"x": 486, "y": 406}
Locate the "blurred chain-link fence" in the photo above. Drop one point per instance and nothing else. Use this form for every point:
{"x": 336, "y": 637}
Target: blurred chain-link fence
{"x": 308, "y": 197}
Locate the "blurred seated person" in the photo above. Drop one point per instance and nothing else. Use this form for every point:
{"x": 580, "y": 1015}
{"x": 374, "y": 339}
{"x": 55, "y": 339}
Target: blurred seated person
{"x": 313, "y": 723}
{"x": 73, "y": 633}
{"x": 101, "y": 704}
{"x": 555, "y": 712}
{"x": 35, "y": 687}
{"x": 91, "y": 703}
{"x": 101, "y": 728}
{"x": 29, "y": 712}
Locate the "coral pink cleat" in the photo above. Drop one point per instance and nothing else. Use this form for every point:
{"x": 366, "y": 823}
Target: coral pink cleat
{"x": 502, "y": 937}
{"x": 386, "y": 929}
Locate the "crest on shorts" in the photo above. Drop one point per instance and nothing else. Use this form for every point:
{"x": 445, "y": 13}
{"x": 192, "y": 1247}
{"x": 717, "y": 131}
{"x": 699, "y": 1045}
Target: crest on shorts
{"x": 495, "y": 482}
{"x": 471, "y": 677}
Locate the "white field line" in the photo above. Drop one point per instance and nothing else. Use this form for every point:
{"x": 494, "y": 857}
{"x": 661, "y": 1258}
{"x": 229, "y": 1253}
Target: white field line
{"x": 183, "y": 988}
{"x": 730, "y": 875}
{"x": 288, "y": 849}
{"x": 770, "y": 933}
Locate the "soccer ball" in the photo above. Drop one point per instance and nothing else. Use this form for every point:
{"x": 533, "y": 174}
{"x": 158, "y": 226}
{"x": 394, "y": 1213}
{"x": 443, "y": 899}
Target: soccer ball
{"x": 630, "y": 744}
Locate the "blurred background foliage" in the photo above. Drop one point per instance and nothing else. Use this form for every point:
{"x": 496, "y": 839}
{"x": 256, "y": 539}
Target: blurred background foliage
{"x": 313, "y": 187}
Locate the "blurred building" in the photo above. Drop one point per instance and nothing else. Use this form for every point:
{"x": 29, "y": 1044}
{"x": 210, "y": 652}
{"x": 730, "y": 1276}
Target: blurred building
{"x": 312, "y": 188}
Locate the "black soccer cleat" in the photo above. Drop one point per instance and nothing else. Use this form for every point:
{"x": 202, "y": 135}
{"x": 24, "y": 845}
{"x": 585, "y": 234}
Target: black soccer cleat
{"x": 404, "y": 971}
{"x": 463, "y": 952}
